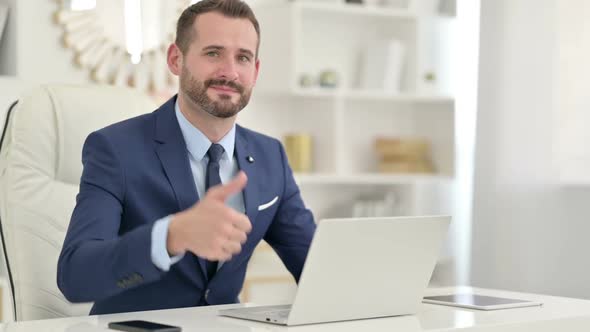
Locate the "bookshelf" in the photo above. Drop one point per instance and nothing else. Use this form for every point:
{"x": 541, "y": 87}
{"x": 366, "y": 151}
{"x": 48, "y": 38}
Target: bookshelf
{"x": 308, "y": 37}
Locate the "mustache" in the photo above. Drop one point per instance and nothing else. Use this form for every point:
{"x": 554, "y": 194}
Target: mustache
{"x": 219, "y": 82}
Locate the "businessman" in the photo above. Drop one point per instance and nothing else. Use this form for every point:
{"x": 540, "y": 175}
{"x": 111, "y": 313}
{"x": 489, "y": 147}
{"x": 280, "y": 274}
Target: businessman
{"x": 173, "y": 203}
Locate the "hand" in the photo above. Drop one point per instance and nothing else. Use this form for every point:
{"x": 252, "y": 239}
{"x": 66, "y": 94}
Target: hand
{"x": 210, "y": 229}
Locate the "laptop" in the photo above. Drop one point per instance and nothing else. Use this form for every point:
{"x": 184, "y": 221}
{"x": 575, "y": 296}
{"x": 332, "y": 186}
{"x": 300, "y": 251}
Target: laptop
{"x": 360, "y": 268}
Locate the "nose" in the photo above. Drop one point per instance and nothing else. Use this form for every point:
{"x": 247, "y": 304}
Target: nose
{"x": 228, "y": 70}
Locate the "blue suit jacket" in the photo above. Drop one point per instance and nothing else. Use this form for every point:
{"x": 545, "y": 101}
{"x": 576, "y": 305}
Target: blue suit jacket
{"x": 136, "y": 172}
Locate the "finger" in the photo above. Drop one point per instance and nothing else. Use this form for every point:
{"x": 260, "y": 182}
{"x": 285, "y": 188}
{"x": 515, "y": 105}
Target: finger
{"x": 223, "y": 192}
{"x": 217, "y": 255}
{"x": 231, "y": 233}
{"x": 230, "y": 222}
{"x": 225, "y": 257}
{"x": 238, "y": 236}
{"x": 225, "y": 254}
{"x": 210, "y": 255}
{"x": 240, "y": 221}
{"x": 232, "y": 247}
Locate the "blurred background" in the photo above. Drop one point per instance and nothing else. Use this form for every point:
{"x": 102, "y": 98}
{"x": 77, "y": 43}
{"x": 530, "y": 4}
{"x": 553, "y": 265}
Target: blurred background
{"x": 471, "y": 108}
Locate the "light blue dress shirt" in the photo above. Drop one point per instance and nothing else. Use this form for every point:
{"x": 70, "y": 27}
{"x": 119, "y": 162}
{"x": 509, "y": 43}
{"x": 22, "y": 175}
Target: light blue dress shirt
{"x": 197, "y": 145}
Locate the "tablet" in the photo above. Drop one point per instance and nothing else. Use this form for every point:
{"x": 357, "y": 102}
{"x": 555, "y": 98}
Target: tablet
{"x": 480, "y": 302}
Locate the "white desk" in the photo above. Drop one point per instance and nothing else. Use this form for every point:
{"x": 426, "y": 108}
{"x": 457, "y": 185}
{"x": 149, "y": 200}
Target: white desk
{"x": 557, "y": 314}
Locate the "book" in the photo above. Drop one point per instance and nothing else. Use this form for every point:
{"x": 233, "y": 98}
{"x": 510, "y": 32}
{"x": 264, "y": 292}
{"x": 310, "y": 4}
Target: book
{"x": 383, "y": 66}
{"x": 392, "y": 147}
{"x": 403, "y": 155}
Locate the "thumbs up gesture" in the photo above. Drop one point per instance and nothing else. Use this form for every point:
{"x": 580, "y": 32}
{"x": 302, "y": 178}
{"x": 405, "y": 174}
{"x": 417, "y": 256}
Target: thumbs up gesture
{"x": 210, "y": 229}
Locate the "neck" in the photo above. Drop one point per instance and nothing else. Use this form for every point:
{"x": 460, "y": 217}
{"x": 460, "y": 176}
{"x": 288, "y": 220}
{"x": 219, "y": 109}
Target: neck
{"x": 211, "y": 126}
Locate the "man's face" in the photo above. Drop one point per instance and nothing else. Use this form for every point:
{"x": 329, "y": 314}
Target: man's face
{"x": 219, "y": 69}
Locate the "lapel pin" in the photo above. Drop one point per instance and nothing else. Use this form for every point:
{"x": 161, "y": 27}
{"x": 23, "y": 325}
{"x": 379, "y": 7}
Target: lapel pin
{"x": 250, "y": 159}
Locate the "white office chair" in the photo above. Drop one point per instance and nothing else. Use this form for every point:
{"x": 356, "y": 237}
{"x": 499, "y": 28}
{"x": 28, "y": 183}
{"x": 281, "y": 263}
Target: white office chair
{"x": 40, "y": 168}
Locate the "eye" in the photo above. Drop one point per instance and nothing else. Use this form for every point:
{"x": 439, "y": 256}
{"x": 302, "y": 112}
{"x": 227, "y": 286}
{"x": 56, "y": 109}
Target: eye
{"x": 212, "y": 54}
{"x": 244, "y": 58}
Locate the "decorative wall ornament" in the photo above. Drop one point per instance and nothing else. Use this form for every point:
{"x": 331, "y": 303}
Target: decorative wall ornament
{"x": 122, "y": 42}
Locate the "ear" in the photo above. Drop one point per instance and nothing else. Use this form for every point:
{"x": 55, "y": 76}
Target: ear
{"x": 174, "y": 58}
{"x": 257, "y": 70}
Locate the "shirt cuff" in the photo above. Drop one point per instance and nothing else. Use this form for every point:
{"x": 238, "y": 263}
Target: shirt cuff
{"x": 159, "y": 251}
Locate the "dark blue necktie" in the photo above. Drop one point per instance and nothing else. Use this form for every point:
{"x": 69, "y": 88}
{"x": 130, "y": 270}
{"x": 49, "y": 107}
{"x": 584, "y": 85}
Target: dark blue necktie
{"x": 213, "y": 179}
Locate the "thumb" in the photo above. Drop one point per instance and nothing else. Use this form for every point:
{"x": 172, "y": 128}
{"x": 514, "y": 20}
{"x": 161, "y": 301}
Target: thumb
{"x": 224, "y": 191}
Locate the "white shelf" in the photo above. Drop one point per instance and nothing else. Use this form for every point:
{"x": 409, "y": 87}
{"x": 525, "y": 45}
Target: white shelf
{"x": 368, "y": 95}
{"x": 369, "y": 179}
{"x": 355, "y": 9}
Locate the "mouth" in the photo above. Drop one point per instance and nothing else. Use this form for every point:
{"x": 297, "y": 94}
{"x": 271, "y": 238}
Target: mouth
{"x": 223, "y": 88}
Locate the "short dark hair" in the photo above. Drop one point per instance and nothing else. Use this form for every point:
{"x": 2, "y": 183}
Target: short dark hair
{"x": 229, "y": 8}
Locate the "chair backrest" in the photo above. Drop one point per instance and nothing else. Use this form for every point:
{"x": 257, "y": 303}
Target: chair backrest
{"x": 40, "y": 169}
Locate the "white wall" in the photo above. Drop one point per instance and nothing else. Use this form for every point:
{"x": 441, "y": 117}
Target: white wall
{"x": 31, "y": 52}
{"x": 572, "y": 100}
{"x": 529, "y": 233}
{"x": 40, "y": 54}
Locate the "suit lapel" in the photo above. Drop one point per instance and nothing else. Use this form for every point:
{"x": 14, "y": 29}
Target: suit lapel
{"x": 247, "y": 163}
{"x": 173, "y": 155}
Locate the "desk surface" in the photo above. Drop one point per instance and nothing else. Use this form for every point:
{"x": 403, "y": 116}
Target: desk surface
{"x": 557, "y": 314}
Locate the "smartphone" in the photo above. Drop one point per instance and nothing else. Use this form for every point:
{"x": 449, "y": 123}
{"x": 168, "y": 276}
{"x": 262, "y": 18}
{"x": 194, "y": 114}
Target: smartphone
{"x": 142, "y": 326}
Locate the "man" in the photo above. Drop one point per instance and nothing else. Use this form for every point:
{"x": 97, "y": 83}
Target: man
{"x": 159, "y": 220}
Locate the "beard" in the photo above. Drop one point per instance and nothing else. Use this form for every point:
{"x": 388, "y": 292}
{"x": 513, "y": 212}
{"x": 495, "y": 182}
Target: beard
{"x": 224, "y": 107}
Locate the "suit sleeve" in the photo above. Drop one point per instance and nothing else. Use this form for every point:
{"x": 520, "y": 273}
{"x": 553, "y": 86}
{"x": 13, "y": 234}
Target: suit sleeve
{"x": 97, "y": 261}
{"x": 292, "y": 229}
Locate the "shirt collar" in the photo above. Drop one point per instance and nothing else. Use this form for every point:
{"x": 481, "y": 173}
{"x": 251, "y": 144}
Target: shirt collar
{"x": 197, "y": 143}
